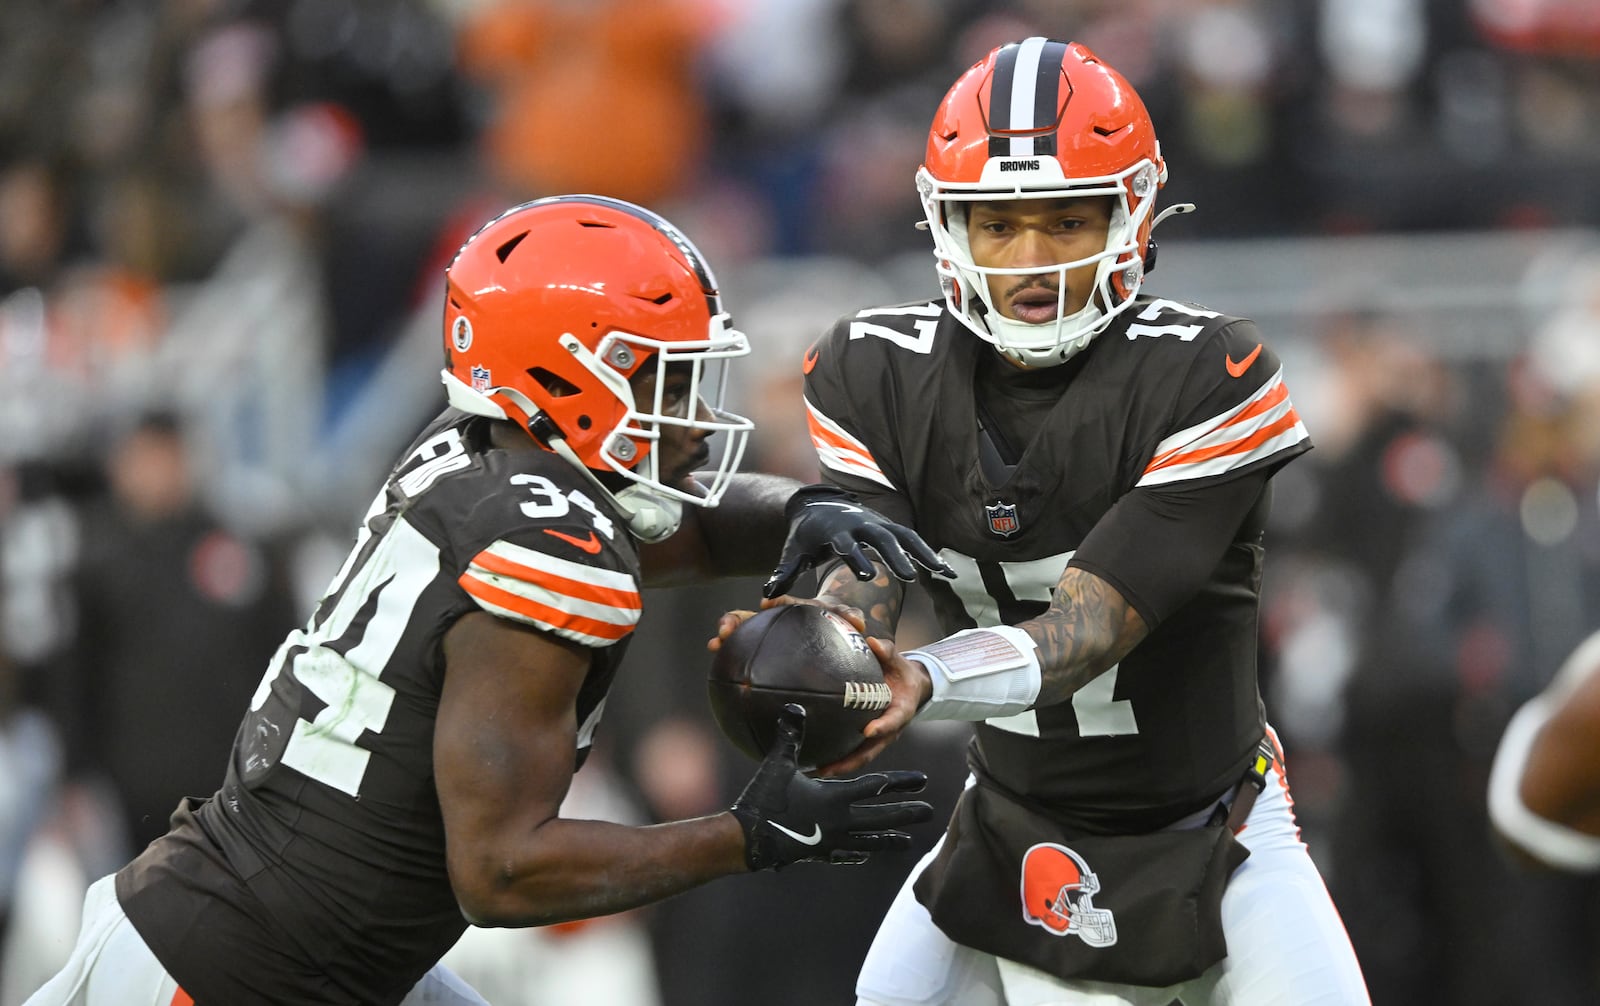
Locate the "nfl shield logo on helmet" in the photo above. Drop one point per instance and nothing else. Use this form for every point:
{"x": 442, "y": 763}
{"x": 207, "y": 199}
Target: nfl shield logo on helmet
{"x": 480, "y": 378}
{"x": 1003, "y": 519}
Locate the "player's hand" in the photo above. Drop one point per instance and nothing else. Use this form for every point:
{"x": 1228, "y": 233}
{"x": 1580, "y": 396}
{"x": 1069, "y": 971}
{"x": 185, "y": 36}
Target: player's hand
{"x": 909, "y": 687}
{"x": 790, "y": 818}
{"x": 825, "y": 522}
{"x": 733, "y": 619}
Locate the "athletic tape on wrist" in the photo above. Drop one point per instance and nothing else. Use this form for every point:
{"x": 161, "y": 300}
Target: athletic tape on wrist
{"x": 980, "y": 673}
{"x": 1555, "y": 844}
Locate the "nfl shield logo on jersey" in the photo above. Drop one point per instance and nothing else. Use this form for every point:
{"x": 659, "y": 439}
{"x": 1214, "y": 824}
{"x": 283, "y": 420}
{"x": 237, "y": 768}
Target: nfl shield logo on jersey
{"x": 1003, "y": 519}
{"x": 480, "y": 378}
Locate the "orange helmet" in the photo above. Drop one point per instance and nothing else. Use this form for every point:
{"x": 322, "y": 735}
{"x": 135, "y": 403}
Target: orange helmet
{"x": 1041, "y": 119}
{"x": 555, "y": 304}
{"x": 1058, "y": 890}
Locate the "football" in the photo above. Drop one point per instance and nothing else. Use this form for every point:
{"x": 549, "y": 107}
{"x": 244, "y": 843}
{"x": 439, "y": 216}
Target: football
{"x": 804, "y": 654}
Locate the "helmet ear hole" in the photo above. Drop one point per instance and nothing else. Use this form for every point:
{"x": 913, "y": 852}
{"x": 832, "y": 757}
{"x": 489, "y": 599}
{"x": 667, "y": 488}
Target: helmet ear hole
{"x": 553, "y": 383}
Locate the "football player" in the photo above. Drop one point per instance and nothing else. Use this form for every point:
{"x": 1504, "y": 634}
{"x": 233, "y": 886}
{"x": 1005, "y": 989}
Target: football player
{"x": 1544, "y": 789}
{"x": 1094, "y": 462}
{"x": 399, "y": 770}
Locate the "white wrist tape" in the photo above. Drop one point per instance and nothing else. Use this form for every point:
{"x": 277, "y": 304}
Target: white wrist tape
{"x": 980, "y": 673}
{"x": 1554, "y": 844}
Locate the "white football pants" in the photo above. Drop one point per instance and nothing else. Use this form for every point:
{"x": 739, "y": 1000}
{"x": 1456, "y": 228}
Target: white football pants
{"x": 111, "y": 966}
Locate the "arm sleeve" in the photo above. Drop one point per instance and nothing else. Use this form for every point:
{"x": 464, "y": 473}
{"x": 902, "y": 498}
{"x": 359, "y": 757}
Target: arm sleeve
{"x": 1157, "y": 546}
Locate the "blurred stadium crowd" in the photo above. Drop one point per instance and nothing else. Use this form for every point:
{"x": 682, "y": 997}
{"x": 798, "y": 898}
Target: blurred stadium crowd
{"x": 223, "y": 225}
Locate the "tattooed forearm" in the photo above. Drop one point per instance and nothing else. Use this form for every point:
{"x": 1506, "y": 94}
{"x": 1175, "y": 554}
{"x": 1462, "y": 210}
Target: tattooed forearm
{"x": 879, "y": 598}
{"x": 1088, "y": 627}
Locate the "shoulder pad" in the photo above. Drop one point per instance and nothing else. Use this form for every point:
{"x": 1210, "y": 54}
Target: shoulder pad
{"x": 592, "y": 602}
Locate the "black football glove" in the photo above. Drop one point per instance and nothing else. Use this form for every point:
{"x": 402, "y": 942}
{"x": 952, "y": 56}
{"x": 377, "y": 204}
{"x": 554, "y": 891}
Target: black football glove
{"x": 826, "y": 522}
{"x": 789, "y": 817}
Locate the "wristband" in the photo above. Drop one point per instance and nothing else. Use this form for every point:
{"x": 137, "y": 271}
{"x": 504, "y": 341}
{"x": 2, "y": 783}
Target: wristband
{"x": 1554, "y": 844}
{"x": 979, "y": 674}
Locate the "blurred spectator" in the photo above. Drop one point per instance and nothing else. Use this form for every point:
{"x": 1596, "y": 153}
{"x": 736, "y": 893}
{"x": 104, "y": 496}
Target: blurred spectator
{"x": 174, "y": 611}
{"x": 1383, "y": 463}
{"x": 30, "y": 757}
{"x": 35, "y": 211}
{"x": 1563, "y": 27}
{"x": 1489, "y": 597}
{"x": 899, "y": 56}
{"x": 591, "y": 95}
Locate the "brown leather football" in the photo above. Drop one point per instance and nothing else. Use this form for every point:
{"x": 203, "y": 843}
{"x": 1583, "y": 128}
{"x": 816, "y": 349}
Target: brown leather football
{"x": 797, "y": 653}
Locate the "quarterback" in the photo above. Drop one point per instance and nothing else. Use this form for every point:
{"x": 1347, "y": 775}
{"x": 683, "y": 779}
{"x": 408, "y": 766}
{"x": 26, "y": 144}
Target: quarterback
{"x": 400, "y": 769}
{"x": 1094, "y": 462}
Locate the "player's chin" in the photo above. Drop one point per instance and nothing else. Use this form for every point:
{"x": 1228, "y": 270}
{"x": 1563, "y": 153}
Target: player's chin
{"x": 682, "y": 478}
{"x": 680, "y": 469}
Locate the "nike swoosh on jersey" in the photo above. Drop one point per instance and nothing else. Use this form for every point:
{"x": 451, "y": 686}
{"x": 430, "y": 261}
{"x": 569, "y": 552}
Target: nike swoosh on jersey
{"x": 590, "y": 544}
{"x": 811, "y": 839}
{"x": 1259, "y": 427}
{"x": 588, "y": 604}
{"x": 810, "y": 360}
{"x": 1238, "y": 369}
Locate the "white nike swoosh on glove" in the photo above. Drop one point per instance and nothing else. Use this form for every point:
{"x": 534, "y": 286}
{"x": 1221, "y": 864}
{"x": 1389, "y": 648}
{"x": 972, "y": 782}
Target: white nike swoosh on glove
{"x": 811, "y": 839}
{"x": 842, "y": 506}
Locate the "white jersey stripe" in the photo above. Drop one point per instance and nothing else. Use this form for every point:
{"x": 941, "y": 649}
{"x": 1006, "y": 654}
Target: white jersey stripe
{"x": 606, "y": 579}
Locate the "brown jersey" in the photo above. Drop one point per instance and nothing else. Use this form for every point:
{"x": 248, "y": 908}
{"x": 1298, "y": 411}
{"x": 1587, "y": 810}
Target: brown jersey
{"x": 1170, "y": 397}
{"x": 317, "y": 872}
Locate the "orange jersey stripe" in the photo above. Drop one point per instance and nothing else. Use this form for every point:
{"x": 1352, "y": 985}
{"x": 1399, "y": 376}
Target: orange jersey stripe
{"x": 558, "y": 584}
{"x": 544, "y": 614}
{"x": 832, "y": 439}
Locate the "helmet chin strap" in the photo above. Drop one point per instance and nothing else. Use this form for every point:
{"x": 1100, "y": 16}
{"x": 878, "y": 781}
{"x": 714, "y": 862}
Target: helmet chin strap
{"x": 650, "y": 516}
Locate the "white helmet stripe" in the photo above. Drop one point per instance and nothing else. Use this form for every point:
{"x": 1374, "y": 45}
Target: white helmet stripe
{"x": 1024, "y": 81}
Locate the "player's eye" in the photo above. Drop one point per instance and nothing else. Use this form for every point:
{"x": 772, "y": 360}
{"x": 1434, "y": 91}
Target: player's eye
{"x": 674, "y": 395}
